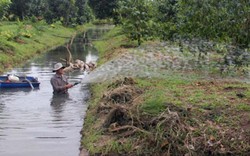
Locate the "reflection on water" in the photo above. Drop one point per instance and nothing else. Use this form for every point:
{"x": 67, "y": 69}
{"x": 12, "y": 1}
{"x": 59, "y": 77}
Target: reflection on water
{"x": 37, "y": 123}
{"x": 58, "y": 102}
{"x": 13, "y": 91}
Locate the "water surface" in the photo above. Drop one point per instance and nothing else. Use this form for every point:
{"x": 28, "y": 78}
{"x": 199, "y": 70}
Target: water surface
{"x": 36, "y": 123}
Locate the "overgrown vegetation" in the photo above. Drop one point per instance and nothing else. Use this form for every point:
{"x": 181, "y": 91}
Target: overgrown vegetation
{"x": 137, "y": 19}
{"x": 69, "y": 12}
{"x": 172, "y": 19}
{"x": 4, "y": 6}
{"x": 201, "y": 26}
{"x": 152, "y": 117}
{"x": 208, "y": 20}
{"x": 179, "y": 114}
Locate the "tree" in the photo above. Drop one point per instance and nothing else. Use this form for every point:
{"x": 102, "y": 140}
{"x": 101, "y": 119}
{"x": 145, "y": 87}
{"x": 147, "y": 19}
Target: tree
{"x": 103, "y": 8}
{"x": 4, "y": 5}
{"x": 85, "y": 13}
{"x": 64, "y": 10}
{"x": 37, "y": 7}
{"x": 20, "y": 8}
{"x": 68, "y": 10}
{"x": 136, "y": 19}
{"x": 212, "y": 19}
{"x": 166, "y": 18}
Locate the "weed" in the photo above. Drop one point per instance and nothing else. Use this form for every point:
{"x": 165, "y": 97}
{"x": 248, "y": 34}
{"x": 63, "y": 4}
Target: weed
{"x": 243, "y": 107}
{"x": 154, "y": 104}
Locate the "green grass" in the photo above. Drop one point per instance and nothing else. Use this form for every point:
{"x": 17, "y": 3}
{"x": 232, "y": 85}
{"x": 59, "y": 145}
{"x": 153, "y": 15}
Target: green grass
{"x": 20, "y": 41}
{"x": 112, "y": 40}
{"x": 117, "y": 147}
{"x": 243, "y": 107}
{"x": 212, "y": 108}
{"x": 154, "y": 103}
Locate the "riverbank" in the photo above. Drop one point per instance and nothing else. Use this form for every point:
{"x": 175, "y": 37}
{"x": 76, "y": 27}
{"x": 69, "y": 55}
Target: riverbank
{"x": 174, "y": 108}
{"x": 21, "y": 41}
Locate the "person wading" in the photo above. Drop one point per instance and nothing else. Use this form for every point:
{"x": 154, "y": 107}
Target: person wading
{"x": 59, "y": 81}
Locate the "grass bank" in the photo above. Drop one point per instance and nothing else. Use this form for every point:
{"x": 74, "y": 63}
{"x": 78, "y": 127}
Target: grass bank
{"x": 179, "y": 114}
{"x": 20, "y": 41}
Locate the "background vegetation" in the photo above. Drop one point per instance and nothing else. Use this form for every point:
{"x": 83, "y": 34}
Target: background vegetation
{"x": 223, "y": 21}
{"x": 226, "y": 21}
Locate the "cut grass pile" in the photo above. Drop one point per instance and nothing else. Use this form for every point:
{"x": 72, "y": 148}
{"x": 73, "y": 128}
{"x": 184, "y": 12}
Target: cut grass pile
{"x": 155, "y": 116}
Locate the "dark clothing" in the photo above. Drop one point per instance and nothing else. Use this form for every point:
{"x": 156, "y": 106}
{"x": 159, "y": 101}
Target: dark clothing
{"x": 58, "y": 83}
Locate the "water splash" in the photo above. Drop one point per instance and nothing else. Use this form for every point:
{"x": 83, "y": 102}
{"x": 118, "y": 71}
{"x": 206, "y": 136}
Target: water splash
{"x": 151, "y": 61}
{"x": 142, "y": 62}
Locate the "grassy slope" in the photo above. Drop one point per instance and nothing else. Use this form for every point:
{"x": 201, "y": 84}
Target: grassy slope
{"x": 22, "y": 40}
{"x": 173, "y": 115}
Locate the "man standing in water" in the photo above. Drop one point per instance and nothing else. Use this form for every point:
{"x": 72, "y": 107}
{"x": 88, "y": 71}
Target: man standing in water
{"x": 59, "y": 81}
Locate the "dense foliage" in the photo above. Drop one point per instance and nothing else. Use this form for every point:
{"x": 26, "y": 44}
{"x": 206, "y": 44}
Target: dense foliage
{"x": 136, "y": 18}
{"x": 61, "y": 9}
{"x": 226, "y": 21}
{"x": 104, "y": 8}
{"x": 21, "y": 8}
{"x": 219, "y": 21}
{"x": 4, "y": 5}
{"x": 67, "y": 11}
{"x": 84, "y": 12}
{"x": 211, "y": 19}
{"x": 166, "y": 18}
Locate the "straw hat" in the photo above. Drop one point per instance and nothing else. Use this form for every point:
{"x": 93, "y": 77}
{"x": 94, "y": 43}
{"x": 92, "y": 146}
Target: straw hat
{"x": 58, "y": 66}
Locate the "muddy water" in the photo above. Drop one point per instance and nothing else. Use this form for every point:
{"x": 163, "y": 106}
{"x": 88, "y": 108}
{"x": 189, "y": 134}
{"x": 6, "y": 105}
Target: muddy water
{"x": 36, "y": 123}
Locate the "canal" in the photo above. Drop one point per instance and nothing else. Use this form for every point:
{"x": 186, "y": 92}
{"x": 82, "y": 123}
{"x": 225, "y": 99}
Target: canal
{"x": 32, "y": 121}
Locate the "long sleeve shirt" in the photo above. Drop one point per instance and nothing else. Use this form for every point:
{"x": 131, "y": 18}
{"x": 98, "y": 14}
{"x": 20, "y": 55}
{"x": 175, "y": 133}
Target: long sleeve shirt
{"x": 58, "y": 83}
